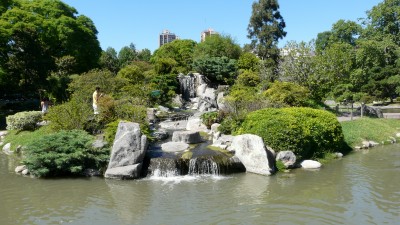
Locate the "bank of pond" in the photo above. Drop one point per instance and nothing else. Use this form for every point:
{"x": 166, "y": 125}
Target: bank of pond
{"x": 267, "y": 141}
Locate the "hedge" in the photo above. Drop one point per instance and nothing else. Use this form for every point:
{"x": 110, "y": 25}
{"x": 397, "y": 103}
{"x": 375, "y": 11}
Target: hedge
{"x": 309, "y": 133}
{"x": 23, "y": 120}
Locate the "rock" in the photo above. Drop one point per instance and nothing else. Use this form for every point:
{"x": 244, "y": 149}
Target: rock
{"x": 221, "y": 102}
{"x": 160, "y": 134}
{"x": 91, "y": 173}
{"x": 19, "y": 169}
{"x": 151, "y": 114}
{"x": 223, "y": 141}
{"x": 369, "y": 111}
{"x": 398, "y": 135}
{"x": 124, "y": 172}
{"x": 195, "y": 124}
{"x": 310, "y": 164}
{"x": 174, "y": 147}
{"x": 25, "y": 172}
{"x": 189, "y": 137}
{"x": 99, "y": 143}
{"x": 252, "y": 153}
{"x": 338, "y": 154}
{"x": 177, "y": 101}
{"x": 3, "y": 133}
{"x": 127, "y": 152}
{"x": 163, "y": 108}
{"x": 288, "y": 158}
{"x": 174, "y": 125}
{"x": 7, "y": 149}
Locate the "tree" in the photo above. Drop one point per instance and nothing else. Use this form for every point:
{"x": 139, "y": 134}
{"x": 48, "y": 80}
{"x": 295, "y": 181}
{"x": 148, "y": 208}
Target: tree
{"x": 144, "y": 55}
{"x": 218, "y": 46}
{"x": 217, "y": 69}
{"x": 248, "y": 61}
{"x": 127, "y": 54}
{"x": 181, "y": 51}
{"x": 35, "y": 33}
{"x": 265, "y": 29}
{"x": 109, "y": 60}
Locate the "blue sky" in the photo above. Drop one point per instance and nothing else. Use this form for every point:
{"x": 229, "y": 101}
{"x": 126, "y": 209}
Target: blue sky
{"x": 121, "y": 22}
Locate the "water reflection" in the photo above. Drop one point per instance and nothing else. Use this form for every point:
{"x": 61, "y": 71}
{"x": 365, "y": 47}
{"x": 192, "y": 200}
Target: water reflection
{"x": 362, "y": 188}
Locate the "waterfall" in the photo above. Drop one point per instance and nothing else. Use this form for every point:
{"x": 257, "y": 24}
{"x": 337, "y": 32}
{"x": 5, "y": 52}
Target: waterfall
{"x": 163, "y": 167}
{"x": 203, "y": 166}
{"x": 187, "y": 86}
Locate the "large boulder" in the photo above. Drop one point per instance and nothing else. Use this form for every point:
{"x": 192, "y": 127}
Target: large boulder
{"x": 174, "y": 147}
{"x": 252, "y": 153}
{"x": 189, "y": 137}
{"x": 196, "y": 124}
{"x": 369, "y": 111}
{"x": 127, "y": 152}
{"x": 288, "y": 158}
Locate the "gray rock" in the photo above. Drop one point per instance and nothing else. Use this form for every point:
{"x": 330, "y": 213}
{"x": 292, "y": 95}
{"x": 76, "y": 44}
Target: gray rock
{"x": 174, "y": 125}
{"x": 19, "y": 169}
{"x": 91, "y": 173}
{"x": 124, "y": 172}
{"x": 25, "y": 172}
{"x": 128, "y": 150}
{"x": 189, "y": 137}
{"x": 310, "y": 164}
{"x": 369, "y": 111}
{"x": 160, "y": 134}
{"x": 7, "y": 149}
{"x": 196, "y": 124}
{"x": 3, "y": 133}
{"x": 174, "y": 147}
{"x": 252, "y": 153}
{"x": 288, "y": 158}
{"x": 338, "y": 155}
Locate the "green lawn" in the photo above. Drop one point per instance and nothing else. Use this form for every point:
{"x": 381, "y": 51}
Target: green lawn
{"x": 378, "y": 130}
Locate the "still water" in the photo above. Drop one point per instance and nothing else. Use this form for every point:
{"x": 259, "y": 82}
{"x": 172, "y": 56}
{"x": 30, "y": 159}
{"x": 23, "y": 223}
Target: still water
{"x": 362, "y": 188}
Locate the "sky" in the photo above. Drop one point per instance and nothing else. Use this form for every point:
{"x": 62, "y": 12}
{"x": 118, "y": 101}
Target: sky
{"x": 122, "y": 22}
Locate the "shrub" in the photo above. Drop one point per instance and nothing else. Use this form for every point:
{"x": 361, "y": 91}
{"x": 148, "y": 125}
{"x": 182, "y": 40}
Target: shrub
{"x": 285, "y": 94}
{"x": 305, "y": 131}
{"x": 64, "y": 153}
{"x": 23, "y": 120}
{"x": 209, "y": 118}
{"x": 74, "y": 114}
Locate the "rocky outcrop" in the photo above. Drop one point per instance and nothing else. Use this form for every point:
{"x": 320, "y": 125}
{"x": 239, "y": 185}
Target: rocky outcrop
{"x": 174, "y": 147}
{"x": 189, "y": 137}
{"x": 252, "y": 153}
{"x": 127, "y": 152}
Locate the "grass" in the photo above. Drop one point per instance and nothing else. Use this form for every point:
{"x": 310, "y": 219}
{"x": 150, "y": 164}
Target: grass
{"x": 24, "y": 137}
{"x": 378, "y": 130}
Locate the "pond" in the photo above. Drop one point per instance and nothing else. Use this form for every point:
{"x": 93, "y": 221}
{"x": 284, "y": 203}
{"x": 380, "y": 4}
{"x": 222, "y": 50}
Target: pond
{"x": 361, "y": 188}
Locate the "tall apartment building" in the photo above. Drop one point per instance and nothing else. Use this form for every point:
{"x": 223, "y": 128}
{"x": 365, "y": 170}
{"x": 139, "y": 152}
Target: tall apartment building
{"x": 207, "y": 33}
{"x": 166, "y": 37}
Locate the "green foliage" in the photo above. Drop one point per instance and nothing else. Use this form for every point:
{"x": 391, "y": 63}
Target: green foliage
{"x": 22, "y": 138}
{"x": 209, "y": 118}
{"x": 110, "y": 131}
{"x": 109, "y": 60}
{"x": 75, "y": 114}
{"x": 64, "y": 153}
{"x": 180, "y": 51}
{"x": 23, "y": 120}
{"x": 248, "y": 78}
{"x": 132, "y": 73}
{"x": 217, "y": 46}
{"x": 370, "y": 129}
{"x": 127, "y": 54}
{"x": 36, "y": 33}
{"x": 217, "y": 69}
{"x": 280, "y": 165}
{"x": 286, "y": 94}
{"x": 230, "y": 124}
{"x": 265, "y": 28}
{"x": 305, "y": 131}
{"x": 248, "y": 61}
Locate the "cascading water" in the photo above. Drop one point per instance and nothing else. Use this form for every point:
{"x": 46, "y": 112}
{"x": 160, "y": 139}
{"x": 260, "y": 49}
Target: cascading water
{"x": 203, "y": 166}
{"x": 163, "y": 167}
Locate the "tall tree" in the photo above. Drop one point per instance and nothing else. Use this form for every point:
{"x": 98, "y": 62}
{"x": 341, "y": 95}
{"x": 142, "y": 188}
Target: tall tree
{"x": 127, "y": 54}
{"x": 109, "y": 60}
{"x": 265, "y": 29}
{"x": 33, "y": 34}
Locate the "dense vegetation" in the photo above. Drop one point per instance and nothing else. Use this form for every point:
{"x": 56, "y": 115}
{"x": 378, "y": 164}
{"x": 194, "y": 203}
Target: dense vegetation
{"x": 48, "y": 49}
{"x": 309, "y": 133}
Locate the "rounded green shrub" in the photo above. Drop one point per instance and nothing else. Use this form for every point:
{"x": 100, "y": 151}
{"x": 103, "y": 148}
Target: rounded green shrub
{"x": 23, "y": 120}
{"x": 309, "y": 133}
{"x": 64, "y": 153}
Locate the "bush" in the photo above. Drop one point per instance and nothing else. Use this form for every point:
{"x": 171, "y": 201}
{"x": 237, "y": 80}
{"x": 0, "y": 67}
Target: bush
{"x": 286, "y": 94}
{"x": 309, "y": 133}
{"x": 64, "y": 153}
{"x": 210, "y": 118}
{"x": 74, "y": 114}
{"x": 23, "y": 120}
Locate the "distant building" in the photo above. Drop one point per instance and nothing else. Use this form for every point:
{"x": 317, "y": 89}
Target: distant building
{"x": 207, "y": 33}
{"x": 166, "y": 37}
